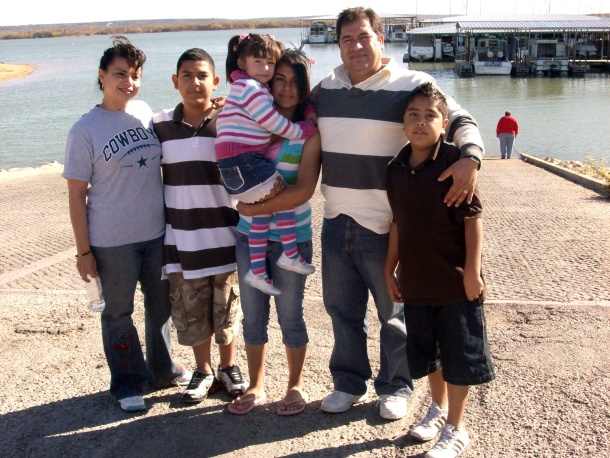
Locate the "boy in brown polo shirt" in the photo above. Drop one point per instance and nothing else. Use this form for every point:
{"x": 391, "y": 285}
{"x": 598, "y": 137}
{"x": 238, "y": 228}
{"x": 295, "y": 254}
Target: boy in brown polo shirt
{"x": 438, "y": 251}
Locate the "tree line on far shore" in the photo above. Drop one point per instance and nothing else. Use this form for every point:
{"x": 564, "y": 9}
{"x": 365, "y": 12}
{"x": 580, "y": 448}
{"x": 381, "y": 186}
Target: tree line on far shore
{"x": 110, "y": 29}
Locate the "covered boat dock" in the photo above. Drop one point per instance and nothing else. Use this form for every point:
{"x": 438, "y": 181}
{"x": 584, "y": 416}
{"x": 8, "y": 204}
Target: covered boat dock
{"x": 536, "y": 45}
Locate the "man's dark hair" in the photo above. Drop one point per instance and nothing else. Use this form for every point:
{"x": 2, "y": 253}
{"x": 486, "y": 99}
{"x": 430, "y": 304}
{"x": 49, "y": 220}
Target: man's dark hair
{"x": 507, "y": 113}
{"x": 196, "y": 54}
{"x": 350, "y": 15}
{"x": 432, "y": 92}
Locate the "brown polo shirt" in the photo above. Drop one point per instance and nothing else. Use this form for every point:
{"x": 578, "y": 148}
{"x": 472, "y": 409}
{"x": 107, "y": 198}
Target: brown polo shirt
{"x": 431, "y": 238}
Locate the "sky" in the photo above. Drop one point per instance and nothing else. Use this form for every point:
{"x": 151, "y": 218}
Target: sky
{"x": 71, "y": 11}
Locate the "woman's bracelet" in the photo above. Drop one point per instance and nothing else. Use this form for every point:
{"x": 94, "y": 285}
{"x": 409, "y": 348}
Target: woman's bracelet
{"x": 83, "y": 254}
{"x": 262, "y": 202}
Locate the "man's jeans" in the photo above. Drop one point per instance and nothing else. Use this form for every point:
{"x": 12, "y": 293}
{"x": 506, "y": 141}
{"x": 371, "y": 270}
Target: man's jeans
{"x": 120, "y": 268}
{"x": 506, "y": 145}
{"x": 353, "y": 260}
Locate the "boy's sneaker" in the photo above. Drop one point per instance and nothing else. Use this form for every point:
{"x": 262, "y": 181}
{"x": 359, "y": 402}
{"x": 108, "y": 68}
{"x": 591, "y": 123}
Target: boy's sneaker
{"x": 298, "y": 264}
{"x": 262, "y": 283}
{"x": 197, "y": 389}
{"x": 230, "y": 377}
{"x": 431, "y": 424}
{"x": 451, "y": 444}
{"x": 132, "y": 403}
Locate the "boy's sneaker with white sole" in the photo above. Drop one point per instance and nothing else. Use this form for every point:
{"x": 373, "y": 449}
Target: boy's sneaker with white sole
{"x": 197, "y": 389}
{"x": 429, "y": 426}
{"x": 232, "y": 380}
{"x": 451, "y": 444}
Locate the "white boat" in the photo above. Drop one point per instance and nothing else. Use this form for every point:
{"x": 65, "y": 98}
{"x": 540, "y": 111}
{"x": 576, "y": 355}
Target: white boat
{"x": 548, "y": 57}
{"x": 332, "y": 34}
{"x": 491, "y": 57}
{"x": 585, "y": 51}
{"x": 422, "y": 47}
{"x": 318, "y": 33}
{"x": 448, "y": 50}
{"x": 396, "y": 32}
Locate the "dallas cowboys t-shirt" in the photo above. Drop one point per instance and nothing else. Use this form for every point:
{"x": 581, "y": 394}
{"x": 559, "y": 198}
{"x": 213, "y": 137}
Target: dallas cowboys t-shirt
{"x": 119, "y": 154}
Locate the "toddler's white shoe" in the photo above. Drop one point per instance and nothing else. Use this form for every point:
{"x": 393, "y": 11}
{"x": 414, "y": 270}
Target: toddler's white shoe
{"x": 262, "y": 283}
{"x": 298, "y": 264}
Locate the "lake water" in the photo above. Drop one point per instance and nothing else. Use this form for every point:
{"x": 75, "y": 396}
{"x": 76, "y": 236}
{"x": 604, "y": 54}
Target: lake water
{"x": 563, "y": 118}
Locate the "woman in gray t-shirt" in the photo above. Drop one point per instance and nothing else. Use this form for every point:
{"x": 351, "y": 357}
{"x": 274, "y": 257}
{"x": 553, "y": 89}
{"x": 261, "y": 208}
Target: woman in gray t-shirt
{"x": 112, "y": 166}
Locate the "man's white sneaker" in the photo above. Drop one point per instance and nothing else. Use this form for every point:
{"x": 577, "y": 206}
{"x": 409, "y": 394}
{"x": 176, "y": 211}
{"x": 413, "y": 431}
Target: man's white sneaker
{"x": 392, "y": 407}
{"x": 431, "y": 424}
{"x": 298, "y": 265}
{"x": 262, "y": 283}
{"x": 451, "y": 444}
{"x": 132, "y": 403}
{"x": 339, "y": 401}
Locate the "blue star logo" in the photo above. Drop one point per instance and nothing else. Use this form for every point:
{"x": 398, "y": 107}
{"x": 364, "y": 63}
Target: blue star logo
{"x": 142, "y": 162}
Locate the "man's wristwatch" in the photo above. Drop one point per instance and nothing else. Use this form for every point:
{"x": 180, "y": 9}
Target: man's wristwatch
{"x": 476, "y": 160}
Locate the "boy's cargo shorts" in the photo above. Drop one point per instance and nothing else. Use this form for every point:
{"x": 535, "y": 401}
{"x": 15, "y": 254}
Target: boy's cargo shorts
{"x": 206, "y": 306}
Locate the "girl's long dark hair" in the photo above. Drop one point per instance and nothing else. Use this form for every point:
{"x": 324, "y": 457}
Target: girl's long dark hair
{"x": 301, "y": 66}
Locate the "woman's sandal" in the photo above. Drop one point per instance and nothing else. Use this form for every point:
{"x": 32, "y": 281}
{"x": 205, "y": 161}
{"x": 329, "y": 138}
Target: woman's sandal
{"x": 247, "y": 399}
{"x": 285, "y": 406}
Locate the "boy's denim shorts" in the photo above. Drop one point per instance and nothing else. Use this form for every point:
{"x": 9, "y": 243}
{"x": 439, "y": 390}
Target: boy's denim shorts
{"x": 449, "y": 337}
{"x": 249, "y": 177}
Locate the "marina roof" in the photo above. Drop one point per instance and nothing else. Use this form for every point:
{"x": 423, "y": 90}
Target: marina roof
{"x": 516, "y": 17}
{"x": 532, "y": 22}
{"x": 595, "y": 25}
{"x": 441, "y": 29}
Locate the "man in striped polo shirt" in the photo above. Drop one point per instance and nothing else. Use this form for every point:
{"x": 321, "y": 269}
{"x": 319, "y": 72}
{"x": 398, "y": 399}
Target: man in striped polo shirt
{"x": 360, "y": 107}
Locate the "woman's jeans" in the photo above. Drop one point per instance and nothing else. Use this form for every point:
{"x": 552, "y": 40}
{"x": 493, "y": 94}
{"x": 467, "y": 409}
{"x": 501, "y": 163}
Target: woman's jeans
{"x": 256, "y": 306}
{"x": 353, "y": 260}
{"x": 120, "y": 268}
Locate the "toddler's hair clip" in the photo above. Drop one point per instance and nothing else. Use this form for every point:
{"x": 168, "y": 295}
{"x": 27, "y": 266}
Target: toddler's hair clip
{"x": 243, "y": 36}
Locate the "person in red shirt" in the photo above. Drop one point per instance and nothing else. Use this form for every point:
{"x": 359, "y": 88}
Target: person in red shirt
{"x": 507, "y": 131}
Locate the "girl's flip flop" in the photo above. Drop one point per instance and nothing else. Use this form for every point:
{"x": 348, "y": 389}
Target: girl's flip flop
{"x": 247, "y": 399}
{"x": 284, "y": 406}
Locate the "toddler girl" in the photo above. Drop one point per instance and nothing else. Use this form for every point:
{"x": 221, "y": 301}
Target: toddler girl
{"x": 244, "y": 130}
